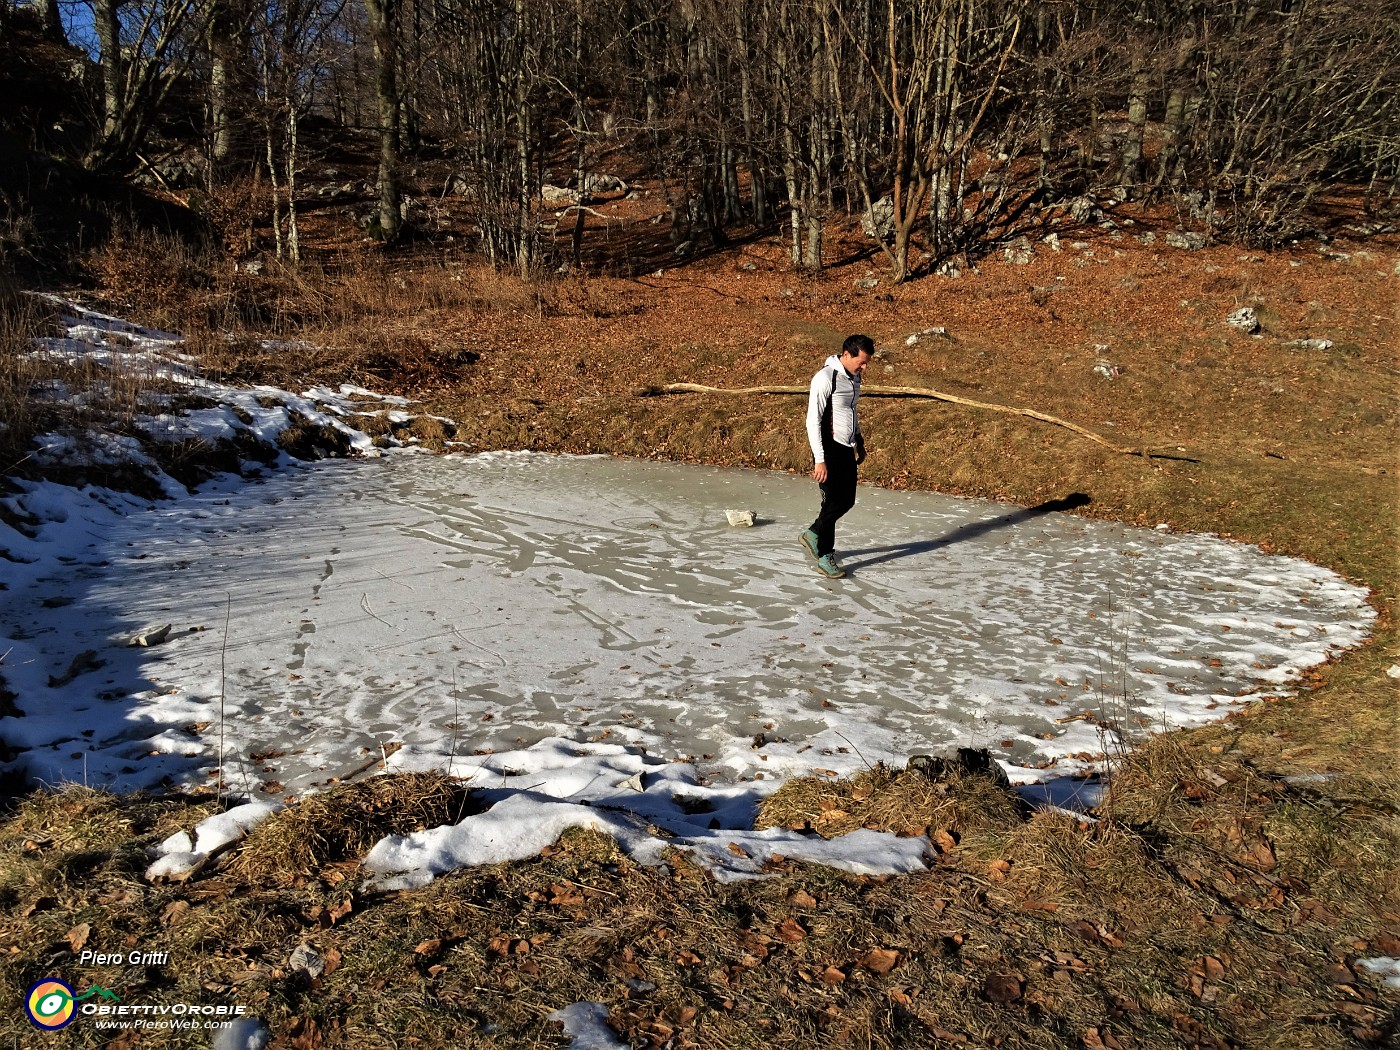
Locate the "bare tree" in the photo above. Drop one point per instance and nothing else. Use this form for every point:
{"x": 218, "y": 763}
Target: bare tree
{"x": 144, "y": 47}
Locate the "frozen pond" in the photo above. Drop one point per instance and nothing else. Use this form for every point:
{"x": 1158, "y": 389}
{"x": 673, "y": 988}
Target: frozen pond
{"x": 452, "y": 606}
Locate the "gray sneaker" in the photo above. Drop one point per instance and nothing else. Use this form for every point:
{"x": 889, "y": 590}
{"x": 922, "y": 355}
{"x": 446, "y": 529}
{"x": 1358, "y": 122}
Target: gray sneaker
{"x": 829, "y": 566}
{"x": 808, "y": 539}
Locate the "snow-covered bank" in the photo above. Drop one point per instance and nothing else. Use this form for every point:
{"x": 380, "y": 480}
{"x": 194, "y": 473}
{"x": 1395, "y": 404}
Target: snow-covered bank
{"x": 590, "y": 634}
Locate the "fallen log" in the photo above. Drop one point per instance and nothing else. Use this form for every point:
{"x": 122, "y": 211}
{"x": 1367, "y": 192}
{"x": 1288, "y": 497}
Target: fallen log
{"x": 911, "y": 391}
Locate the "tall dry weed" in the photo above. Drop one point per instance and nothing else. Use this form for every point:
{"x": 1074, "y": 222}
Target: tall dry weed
{"x": 21, "y": 414}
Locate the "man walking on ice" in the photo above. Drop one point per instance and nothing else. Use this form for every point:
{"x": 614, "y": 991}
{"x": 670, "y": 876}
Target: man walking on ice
{"x": 833, "y": 430}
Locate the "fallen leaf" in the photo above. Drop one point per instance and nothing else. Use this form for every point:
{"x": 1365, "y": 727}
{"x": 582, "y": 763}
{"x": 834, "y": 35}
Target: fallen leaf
{"x": 790, "y": 931}
{"x": 430, "y": 947}
{"x": 1001, "y": 988}
{"x": 306, "y": 961}
{"x": 305, "y": 1035}
{"x": 803, "y": 899}
{"x": 174, "y": 912}
{"x": 880, "y": 960}
{"x": 1262, "y": 857}
{"x": 832, "y": 975}
{"x": 944, "y": 840}
{"x": 78, "y": 936}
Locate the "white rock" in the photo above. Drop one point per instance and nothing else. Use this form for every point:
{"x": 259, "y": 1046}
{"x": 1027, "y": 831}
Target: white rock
{"x": 152, "y": 636}
{"x": 1393, "y": 671}
{"x": 558, "y": 195}
{"x": 741, "y": 518}
{"x": 914, "y": 337}
{"x": 1244, "y": 319}
{"x": 1189, "y": 241}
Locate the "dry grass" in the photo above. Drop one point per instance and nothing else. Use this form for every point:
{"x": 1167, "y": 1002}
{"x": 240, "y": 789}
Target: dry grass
{"x": 21, "y": 415}
{"x": 883, "y": 799}
{"x": 340, "y": 825}
{"x": 1072, "y": 933}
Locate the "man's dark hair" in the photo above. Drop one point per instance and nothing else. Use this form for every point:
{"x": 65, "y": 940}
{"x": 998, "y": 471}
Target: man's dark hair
{"x": 858, "y": 344}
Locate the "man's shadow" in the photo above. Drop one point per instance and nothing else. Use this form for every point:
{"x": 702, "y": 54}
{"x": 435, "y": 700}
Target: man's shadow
{"x": 875, "y": 555}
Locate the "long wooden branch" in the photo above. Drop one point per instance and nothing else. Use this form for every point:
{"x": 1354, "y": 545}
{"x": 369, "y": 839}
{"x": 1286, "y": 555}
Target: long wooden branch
{"x": 911, "y": 391}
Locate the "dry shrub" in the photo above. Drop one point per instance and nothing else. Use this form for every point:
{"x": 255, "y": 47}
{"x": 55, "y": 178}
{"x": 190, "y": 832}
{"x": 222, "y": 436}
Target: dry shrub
{"x": 100, "y": 394}
{"x": 232, "y": 357}
{"x": 162, "y": 276}
{"x": 344, "y": 823}
{"x": 233, "y": 209}
{"x": 887, "y": 800}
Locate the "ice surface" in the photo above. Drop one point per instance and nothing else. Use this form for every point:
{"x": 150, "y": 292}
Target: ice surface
{"x": 429, "y": 609}
{"x": 587, "y": 1026}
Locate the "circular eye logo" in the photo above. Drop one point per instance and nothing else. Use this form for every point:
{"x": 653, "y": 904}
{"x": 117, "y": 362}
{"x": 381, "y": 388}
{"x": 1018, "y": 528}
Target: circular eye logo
{"x": 50, "y": 1004}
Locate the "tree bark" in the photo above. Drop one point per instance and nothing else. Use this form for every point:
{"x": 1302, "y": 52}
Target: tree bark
{"x": 383, "y": 23}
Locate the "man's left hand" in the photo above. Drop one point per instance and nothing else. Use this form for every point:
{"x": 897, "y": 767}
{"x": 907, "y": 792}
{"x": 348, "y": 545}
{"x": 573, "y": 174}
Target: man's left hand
{"x": 860, "y": 451}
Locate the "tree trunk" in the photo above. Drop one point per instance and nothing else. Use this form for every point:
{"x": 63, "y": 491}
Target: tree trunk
{"x": 524, "y": 232}
{"x": 228, "y": 57}
{"x": 108, "y": 27}
{"x": 383, "y": 18}
{"x": 1130, "y": 166}
{"x": 52, "y": 23}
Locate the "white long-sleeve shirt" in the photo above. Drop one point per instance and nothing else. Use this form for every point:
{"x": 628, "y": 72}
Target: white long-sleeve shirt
{"x": 831, "y": 408}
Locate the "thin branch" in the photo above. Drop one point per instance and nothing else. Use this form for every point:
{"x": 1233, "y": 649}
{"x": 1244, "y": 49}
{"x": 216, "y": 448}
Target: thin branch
{"x": 915, "y": 392}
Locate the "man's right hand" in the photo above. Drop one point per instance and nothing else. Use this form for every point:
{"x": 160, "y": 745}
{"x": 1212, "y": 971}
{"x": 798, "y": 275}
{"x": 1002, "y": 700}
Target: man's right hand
{"x": 820, "y": 473}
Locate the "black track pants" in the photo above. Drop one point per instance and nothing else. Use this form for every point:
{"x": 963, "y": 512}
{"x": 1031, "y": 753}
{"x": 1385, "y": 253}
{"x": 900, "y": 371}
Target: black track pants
{"x": 838, "y": 494}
